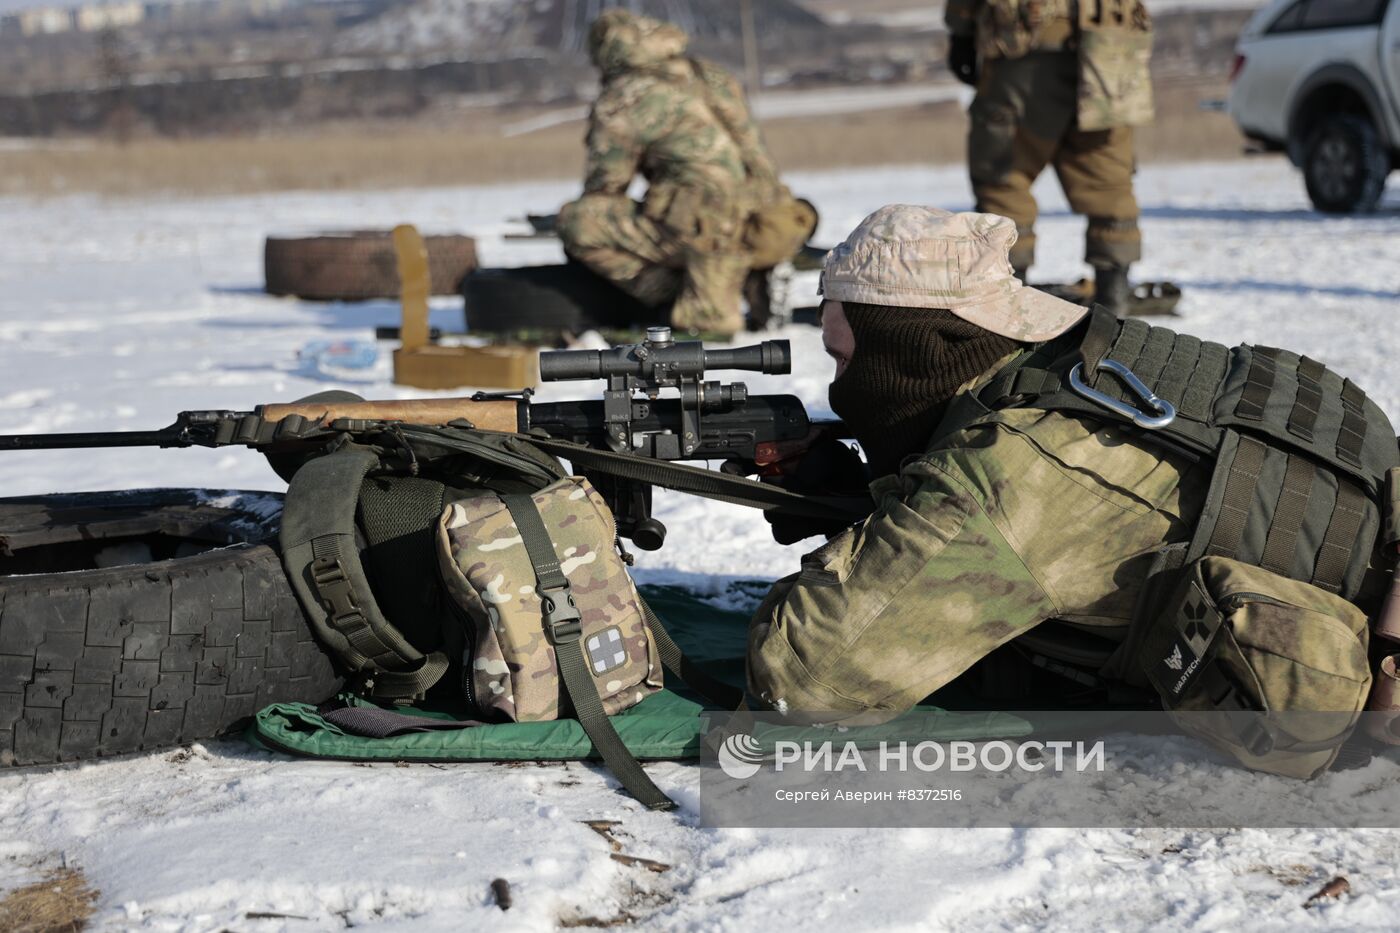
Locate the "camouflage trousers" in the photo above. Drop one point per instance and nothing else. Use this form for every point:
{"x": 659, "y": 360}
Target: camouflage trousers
{"x": 700, "y": 274}
{"x": 1023, "y": 119}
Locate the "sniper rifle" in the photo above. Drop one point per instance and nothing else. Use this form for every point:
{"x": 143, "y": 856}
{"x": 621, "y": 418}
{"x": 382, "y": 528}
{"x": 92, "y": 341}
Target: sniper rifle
{"x": 625, "y": 443}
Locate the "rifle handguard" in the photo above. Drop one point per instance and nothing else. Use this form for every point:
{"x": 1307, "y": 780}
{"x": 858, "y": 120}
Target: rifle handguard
{"x": 491, "y": 415}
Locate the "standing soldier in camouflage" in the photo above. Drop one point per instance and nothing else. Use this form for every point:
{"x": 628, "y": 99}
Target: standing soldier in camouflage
{"x": 714, "y": 209}
{"x": 1059, "y": 83}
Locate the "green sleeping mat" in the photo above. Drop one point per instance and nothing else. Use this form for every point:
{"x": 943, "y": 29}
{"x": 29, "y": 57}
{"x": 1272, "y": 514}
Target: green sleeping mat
{"x": 667, "y": 725}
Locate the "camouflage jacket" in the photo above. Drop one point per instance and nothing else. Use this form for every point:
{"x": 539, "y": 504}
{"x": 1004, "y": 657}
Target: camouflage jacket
{"x": 1020, "y": 517}
{"x": 1012, "y": 28}
{"x": 1112, "y": 40}
{"x": 681, "y": 122}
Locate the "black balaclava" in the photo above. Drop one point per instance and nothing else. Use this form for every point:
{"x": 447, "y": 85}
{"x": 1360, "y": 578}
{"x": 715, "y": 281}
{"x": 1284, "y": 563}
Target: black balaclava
{"x": 907, "y": 365}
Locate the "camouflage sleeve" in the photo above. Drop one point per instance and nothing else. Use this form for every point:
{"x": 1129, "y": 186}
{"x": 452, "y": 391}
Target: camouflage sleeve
{"x": 888, "y": 612}
{"x": 725, "y": 95}
{"x": 614, "y": 150}
{"x": 960, "y": 16}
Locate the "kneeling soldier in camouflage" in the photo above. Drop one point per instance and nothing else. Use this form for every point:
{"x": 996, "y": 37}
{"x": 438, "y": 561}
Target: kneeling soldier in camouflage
{"x": 1024, "y": 473}
{"x": 714, "y": 209}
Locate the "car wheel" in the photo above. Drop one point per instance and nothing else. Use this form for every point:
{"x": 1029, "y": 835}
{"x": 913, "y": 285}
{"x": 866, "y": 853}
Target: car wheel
{"x": 1345, "y": 165}
{"x": 144, "y": 619}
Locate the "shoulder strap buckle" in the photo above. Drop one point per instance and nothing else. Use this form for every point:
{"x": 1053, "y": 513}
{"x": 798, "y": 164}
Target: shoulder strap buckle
{"x": 334, "y": 588}
{"x": 1165, "y": 411}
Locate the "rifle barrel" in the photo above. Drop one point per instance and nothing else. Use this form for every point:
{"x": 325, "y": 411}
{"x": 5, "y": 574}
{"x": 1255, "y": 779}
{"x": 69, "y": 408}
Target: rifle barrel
{"x": 162, "y": 438}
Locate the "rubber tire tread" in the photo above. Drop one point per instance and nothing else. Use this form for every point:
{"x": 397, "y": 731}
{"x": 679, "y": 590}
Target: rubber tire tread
{"x": 1375, "y": 164}
{"x": 359, "y": 266}
{"x": 566, "y": 297}
{"x": 125, "y": 659}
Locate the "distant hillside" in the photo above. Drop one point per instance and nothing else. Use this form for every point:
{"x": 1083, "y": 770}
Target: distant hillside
{"x": 488, "y": 27}
{"x": 310, "y": 63}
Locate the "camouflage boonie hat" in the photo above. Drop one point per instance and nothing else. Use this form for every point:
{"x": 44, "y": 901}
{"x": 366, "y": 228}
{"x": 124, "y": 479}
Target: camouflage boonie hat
{"x": 922, "y": 257}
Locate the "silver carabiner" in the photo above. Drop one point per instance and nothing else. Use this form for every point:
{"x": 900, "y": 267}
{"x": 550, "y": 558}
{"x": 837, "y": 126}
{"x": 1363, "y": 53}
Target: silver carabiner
{"x": 1166, "y": 411}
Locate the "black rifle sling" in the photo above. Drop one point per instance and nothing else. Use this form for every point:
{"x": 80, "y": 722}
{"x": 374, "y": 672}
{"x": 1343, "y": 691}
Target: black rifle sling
{"x": 563, "y": 627}
{"x": 709, "y": 484}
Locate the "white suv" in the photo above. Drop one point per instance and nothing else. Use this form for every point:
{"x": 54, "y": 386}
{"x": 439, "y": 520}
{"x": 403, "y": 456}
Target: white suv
{"x": 1320, "y": 79}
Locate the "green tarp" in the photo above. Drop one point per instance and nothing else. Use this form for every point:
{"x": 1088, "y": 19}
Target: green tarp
{"x": 668, "y": 724}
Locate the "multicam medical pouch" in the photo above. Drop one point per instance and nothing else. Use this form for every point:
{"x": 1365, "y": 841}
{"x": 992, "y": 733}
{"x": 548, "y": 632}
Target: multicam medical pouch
{"x": 510, "y": 670}
{"x": 1271, "y": 670}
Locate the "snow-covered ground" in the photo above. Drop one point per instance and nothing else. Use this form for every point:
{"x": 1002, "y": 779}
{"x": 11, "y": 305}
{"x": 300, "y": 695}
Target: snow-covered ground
{"x": 117, "y": 314}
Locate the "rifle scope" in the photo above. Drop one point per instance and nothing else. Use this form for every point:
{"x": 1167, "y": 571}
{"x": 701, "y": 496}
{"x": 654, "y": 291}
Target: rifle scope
{"x": 664, "y": 362}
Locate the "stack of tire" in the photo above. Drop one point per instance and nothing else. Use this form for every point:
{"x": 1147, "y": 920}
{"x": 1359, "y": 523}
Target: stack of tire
{"x": 144, "y": 619}
{"x": 359, "y": 265}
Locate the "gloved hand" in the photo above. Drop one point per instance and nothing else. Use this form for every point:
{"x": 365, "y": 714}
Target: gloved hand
{"x": 827, "y": 468}
{"x": 962, "y": 58}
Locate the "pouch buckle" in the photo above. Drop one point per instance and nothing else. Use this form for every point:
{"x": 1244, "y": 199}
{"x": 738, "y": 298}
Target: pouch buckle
{"x": 562, "y": 619}
{"x": 1166, "y": 411}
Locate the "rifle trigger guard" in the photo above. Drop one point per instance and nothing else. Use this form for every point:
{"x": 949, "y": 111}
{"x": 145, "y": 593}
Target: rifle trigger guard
{"x": 1165, "y": 411}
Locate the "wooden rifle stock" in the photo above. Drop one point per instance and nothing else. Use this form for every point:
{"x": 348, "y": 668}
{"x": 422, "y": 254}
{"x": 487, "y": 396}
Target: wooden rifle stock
{"x": 507, "y": 414}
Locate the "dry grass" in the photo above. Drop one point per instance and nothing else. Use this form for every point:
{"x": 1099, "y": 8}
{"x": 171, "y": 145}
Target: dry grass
{"x": 371, "y": 156}
{"x": 937, "y": 134}
{"x": 471, "y": 150}
{"x": 60, "y": 903}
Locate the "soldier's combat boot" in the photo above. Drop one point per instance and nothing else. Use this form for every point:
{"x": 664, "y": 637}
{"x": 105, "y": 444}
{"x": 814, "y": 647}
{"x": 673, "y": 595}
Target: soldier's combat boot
{"x": 1111, "y": 288}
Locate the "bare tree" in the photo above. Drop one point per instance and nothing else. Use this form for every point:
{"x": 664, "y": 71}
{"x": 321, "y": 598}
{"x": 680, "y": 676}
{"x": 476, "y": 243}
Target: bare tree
{"x": 114, "y": 62}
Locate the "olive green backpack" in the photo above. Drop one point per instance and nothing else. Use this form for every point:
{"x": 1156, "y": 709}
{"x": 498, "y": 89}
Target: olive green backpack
{"x": 469, "y": 567}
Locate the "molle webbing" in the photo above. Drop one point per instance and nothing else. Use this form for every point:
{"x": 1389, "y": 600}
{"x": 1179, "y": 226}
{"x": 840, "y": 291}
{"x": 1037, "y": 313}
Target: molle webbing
{"x": 1300, "y": 405}
{"x": 1282, "y": 511}
{"x": 1181, "y": 369}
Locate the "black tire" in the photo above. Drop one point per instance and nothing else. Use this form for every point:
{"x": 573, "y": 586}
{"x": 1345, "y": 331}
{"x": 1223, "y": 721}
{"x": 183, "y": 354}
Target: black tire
{"x": 1345, "y": 165}
{"x": 563, "y": 298}
{"x": 358, "y": 266}
{"x": 103, "y": 661}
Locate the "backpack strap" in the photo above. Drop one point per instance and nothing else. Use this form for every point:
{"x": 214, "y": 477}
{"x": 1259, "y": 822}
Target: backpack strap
{"x": 674, "y": 660}
{"x": 322, "y": 561}
{"x": 563, "y": 628}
